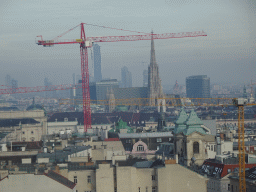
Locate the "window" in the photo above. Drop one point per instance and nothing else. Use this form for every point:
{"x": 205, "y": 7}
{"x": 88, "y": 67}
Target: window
{"x": 75, "y": 179}
{"x": 32, "y": 132}
{"x": 170, "y": 139}
{"x": 115, "y": 189}
{"x": 195, "y": 147}
{"x": 139, "y": 189}
{"x": 23, "y": 132}
{"x": 232, "y": 188}
{"x": 89, "y": 180}
{"x": 128, "y": 140}
{"x": 211, "y": 147}
{"x": 154, "y": 189}
{"x": 228, "y": 187}
{"x": 146, "y": 189}
{"x": 159, "y": 140}
{"x": 140, "y": 148}
{"x": 214, "y": 148}
{"x": 153, "y": 177}
{"x": 229, "y": 170}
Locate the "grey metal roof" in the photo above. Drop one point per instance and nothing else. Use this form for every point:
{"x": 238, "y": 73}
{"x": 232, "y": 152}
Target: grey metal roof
{"x": 143, "y": 164}
{"x": 145, "y": 135}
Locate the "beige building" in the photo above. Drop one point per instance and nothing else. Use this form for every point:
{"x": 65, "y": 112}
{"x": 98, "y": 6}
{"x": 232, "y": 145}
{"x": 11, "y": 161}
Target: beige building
{"x": 107, "y": 150}
{"x": 38, "y": 183}
{"x": 24, "y": 130}
{"x": 143, "y": 176}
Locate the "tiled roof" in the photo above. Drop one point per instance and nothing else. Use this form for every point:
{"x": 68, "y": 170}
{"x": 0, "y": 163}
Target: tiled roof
{"x": 104, "y": 118}
{"x": 59, "y": 178}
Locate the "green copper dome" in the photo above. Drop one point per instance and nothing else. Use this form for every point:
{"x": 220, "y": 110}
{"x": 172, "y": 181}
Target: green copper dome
{"x": 180, "y": 123}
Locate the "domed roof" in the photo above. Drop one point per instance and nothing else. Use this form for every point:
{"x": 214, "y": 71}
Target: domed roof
{"x": 35, "y": 107}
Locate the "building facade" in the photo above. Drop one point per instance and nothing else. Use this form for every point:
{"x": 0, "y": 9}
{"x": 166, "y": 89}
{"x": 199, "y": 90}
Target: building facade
{"x": 198, "y": 86}
{"x": 126, "y": 78}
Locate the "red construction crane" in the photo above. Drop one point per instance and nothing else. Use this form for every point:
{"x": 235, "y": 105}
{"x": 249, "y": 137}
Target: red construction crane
{"x": 86, "y": 42}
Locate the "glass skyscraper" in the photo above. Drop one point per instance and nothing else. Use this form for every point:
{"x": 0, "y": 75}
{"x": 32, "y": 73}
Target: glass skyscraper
{"x": 198, "y": 86}
{"x": 97, "y": 63}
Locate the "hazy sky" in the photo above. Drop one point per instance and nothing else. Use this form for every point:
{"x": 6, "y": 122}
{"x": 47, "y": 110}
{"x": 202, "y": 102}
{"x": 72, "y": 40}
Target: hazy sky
{"x": 227, "y": 54}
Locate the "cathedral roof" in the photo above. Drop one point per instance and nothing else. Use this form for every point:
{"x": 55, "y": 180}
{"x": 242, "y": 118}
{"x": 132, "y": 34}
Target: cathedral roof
{"x": 182, "y": 117}
{"x": 193, "y": 119}
{"x": 193, "y": 124}
{"x": 180, "y": 123}
{"x": 188, "y": 125}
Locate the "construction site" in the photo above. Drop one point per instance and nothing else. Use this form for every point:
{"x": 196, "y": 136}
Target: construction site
{"x": 133, "y": 137}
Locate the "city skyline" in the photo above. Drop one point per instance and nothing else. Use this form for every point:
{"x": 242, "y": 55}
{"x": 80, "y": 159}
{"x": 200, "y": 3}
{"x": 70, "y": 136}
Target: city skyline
{"x": 226, "y": 55}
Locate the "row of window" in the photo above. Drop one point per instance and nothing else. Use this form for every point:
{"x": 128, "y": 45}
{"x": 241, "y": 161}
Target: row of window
{"x": 158, "y": 140}
{"x": 23, "y": 132}
{"x": 89, "y": 179}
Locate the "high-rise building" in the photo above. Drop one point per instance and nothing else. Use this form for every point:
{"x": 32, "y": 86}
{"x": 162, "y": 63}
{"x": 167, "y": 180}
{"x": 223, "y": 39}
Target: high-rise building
{"x": 97, "y": 63}
{"x": 198, "y": 86}
{"x": 8, "y": 82}
{"x": 145, "y": 78}
{"x": 155, "y": 91}
{"x": 126, "y": 78}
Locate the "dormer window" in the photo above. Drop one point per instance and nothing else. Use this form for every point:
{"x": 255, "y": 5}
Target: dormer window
{"x": 140, "y": 148}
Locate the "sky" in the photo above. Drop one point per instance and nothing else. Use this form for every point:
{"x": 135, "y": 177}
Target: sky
{"x": 226, "y": 55}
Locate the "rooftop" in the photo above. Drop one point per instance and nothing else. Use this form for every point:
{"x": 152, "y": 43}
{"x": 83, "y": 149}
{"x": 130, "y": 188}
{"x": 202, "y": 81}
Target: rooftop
{"x": 59, "y": 178}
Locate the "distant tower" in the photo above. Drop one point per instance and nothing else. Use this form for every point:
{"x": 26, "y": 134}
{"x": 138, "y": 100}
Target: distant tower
{"x": 176, "y": 88}
{"x": 8, "y": 81}
{"x": 155, "y": 91}
{"x": 244, "y": 93}
{"x": 126, "y": 78}
{"x": 161, "y": 120}
{"x": 14, "y": 84}
{"x": 145, "y": 78}
{"x": 97, "y": 63}
{"x": 111, "y": 100}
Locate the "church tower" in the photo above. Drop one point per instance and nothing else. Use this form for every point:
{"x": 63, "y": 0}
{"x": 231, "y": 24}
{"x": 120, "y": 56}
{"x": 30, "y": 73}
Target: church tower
{"x": 110, "y": 100}
{"x": 155, "y": 91}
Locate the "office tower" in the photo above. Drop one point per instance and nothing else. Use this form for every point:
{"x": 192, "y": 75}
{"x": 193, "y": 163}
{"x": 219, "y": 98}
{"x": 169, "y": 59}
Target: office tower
{"x": 126, "y": 78}
{"x": 14, "y": 84}
{"x": 78, "y": 78}
{"x": 97, "y": 63}
{"x": 145, "y": 78}
{"x": 198, "y": 86}
{"x": 155, "y": 90}
{"x": 8, "y": 82}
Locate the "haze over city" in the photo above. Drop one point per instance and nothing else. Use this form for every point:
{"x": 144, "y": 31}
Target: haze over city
{"x": 226, "y": 55}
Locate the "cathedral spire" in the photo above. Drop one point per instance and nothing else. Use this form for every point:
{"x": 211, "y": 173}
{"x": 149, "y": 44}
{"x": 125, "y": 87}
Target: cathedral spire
{"x": 153, "y": 55}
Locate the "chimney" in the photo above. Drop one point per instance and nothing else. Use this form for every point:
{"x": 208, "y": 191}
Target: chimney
{"x": 113, "y": 160}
